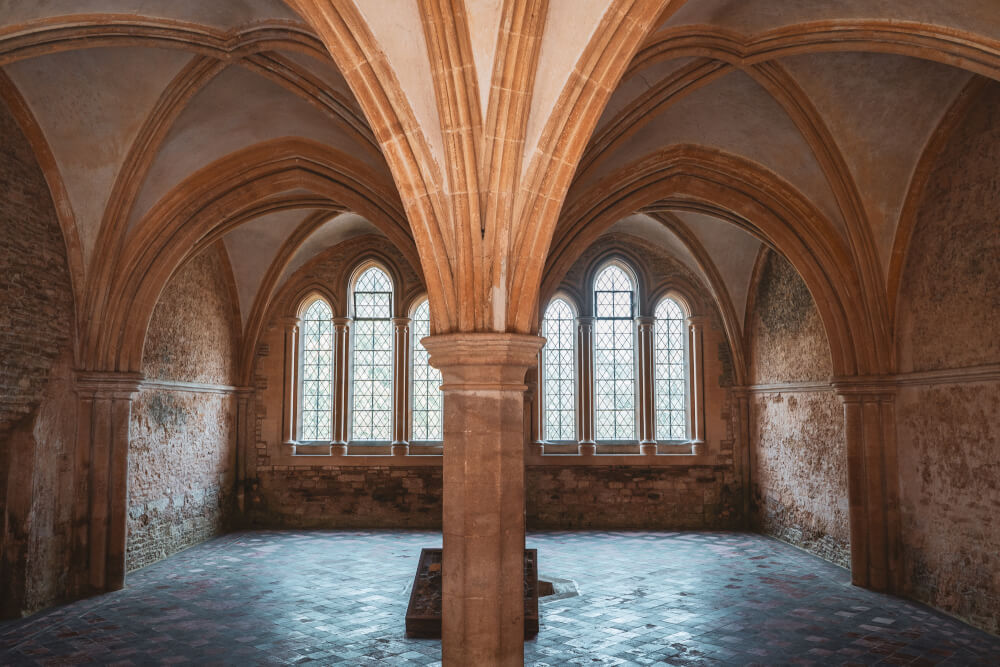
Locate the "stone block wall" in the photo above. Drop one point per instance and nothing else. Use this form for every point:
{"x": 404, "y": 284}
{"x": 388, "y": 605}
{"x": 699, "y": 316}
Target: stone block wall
{"x": 948, "y": 410}
{"x": 633, "y": 497}
{"x": 329, "y": 496}
{"x": 182, "y": 435}
{"x": 798, "y": 456}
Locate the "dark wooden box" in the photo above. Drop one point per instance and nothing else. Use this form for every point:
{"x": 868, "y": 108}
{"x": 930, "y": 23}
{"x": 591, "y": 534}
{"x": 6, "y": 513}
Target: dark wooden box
{"x": 423, "y": 615}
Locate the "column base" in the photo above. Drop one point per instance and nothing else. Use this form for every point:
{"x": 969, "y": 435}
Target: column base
{"x": 338, "y": 449}
{"x": 647, "y": 448}
{"x": 587, "y": 448}
{"x": 400, "y": 449}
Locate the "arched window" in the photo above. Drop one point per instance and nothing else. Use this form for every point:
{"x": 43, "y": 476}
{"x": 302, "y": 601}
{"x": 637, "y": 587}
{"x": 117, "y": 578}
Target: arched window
{"x": 371, "y": 384}
{"x": 428, "y": 405}
{"x": 317, "y": 372}
{"x": 670, "y": 372}
{"x": 559, "y": 372}
{"x": 614, "y": 355}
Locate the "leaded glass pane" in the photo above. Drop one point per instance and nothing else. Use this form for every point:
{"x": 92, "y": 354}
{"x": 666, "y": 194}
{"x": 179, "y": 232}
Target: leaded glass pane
{"x": 614, "y": 356}
{"x": 371, "y": 414}
{"x": 670, "y": 372}
{"x": 428, "y": 403}
{"x": 559, "y": 372}
{"x": 317, "y": 372}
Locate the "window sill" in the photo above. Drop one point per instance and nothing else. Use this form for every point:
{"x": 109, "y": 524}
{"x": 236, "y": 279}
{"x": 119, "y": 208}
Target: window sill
{"x": 360, "y": 454}
{"x": 667, "y": 454}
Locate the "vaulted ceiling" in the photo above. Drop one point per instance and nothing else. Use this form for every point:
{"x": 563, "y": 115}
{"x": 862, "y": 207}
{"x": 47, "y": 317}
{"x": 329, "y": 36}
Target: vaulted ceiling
{"x": 131, "y": 101}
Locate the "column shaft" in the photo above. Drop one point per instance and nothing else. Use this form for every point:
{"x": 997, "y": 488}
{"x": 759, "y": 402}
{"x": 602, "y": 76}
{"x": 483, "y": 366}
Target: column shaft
{"x": 696, "y": 327}
{"x": 873, "y": 486}
{"x": 647, "y": 402}
{"x": 103, "y": 448}
{"x": 483, "y": 575}
{"x": 290, "y": 408}
{"x": 401, "y": 386}
{"x": 341, "y": 392}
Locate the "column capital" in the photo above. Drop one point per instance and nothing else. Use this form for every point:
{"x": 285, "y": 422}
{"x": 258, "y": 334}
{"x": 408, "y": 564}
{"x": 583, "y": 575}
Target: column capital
{"x": 697, "y": 320}
{"x": 585, "y": 319}
{"x": 290, "y": 322}
{"x": 111, "y": 383}
{"x": 401, "y": 321}
{"x": 341, "y": 321}
{"x": 645, "y": 320}
{"x": 483, "y": 361}
{"x": 865, "y": 388}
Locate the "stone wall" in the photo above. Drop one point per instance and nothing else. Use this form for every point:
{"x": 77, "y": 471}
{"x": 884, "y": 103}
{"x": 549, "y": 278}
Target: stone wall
{"x": 949, "y": 335}
{"x": 798, "y": 449}
{"x": 633, "y": 497}
{"x": 182, "y": 442}
{"x": 328, "y": 496}
{"x": 304, "y": 491}
{"x": 36, "y": 419}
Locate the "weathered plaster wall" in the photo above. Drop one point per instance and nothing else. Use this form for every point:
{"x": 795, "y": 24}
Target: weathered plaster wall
{"x": 182, "y": 442}
{"x": 37, "y": 415}
{"x": 948, "y": 426}
{"x": 798, "y": 449}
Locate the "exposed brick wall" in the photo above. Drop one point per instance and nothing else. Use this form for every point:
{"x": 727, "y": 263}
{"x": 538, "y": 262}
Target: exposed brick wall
{"x": 338, "y": 497}
{"x": 620, "y": 497}
{"x": 182, "y": 444}
{"x": 949, "y": 432}
{"x": 36, "y": 419}
{"x": 798, "y": 448}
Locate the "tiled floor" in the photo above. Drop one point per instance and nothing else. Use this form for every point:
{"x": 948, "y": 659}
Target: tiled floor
{"x": 338, "y": 597}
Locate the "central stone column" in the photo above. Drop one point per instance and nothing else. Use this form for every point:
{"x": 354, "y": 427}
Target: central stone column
{"x": 483, "y": 572}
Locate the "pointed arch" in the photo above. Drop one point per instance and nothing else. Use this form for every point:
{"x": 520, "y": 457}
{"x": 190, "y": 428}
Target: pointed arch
{"x": 741, "y": 192}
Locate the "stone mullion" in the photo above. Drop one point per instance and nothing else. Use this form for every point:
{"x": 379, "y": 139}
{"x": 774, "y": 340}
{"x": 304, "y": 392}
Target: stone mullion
{"x": 696, "y": 381}
{"x": 290, "y": 409}
{"x": 585, "y": 384}
{"x": 401, "y": 385}
{"x": 341, "y": 390}
{"x": 647, "y": 405}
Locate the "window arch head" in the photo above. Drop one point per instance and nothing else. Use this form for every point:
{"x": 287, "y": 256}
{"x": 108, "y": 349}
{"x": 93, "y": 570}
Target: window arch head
{"x": 614, "y": 354}
{"x": 670, "y": 371}
{"x": 316, "y": 372}
{"x": 372, "y": 294}
{"x": 428, "y": 403}
{"x": 559, "y": 371}
{"x": 372, "y": 367}
{"x": 614, "y": 292}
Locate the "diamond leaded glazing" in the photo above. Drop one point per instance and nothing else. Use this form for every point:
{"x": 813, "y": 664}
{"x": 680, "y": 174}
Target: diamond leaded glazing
{"x": 428, "y": 404}
{"x": 371, "y": 413}
{"x": 614, "y": 355}
{"x": 317, "y": 372}
{"x": 559, "y": 372}
{"x": 670, "y": 372}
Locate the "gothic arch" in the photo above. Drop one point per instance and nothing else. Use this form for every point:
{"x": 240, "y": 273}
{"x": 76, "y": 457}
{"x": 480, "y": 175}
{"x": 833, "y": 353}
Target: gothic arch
{"x": 264, "y": 178}
{"x": 736, "y": 190}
